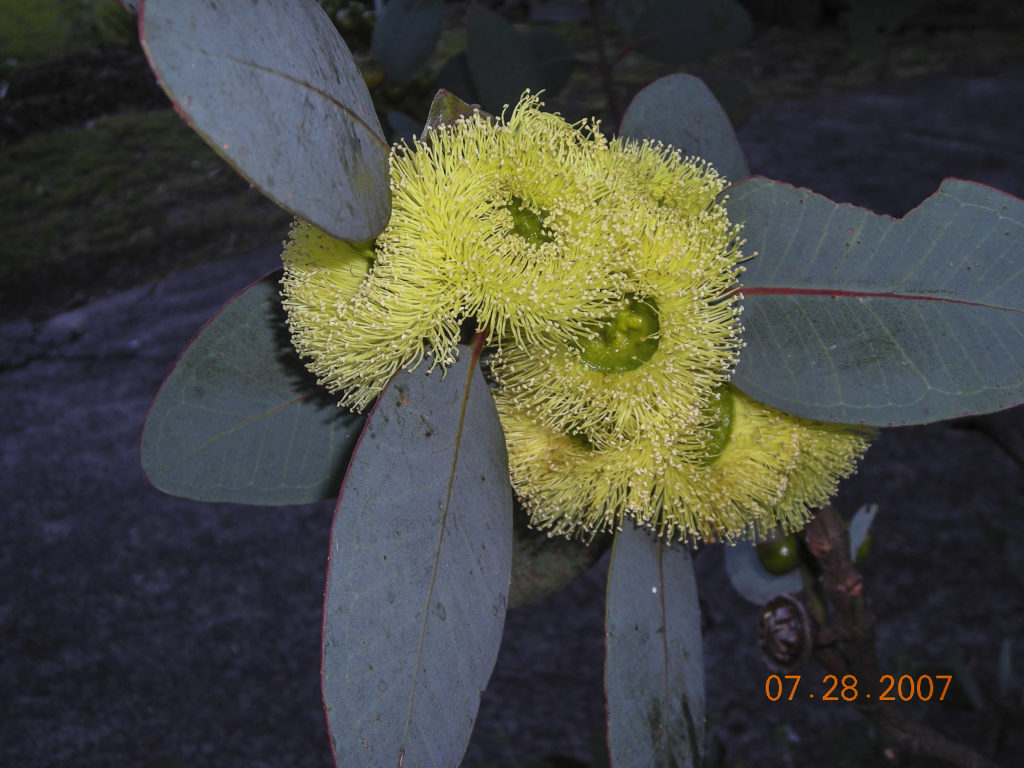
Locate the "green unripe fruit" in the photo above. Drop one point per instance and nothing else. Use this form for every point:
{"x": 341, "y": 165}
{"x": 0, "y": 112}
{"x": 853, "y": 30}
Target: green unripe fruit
{"x": 780, "y": 555}
{"x": 625, "y": 341}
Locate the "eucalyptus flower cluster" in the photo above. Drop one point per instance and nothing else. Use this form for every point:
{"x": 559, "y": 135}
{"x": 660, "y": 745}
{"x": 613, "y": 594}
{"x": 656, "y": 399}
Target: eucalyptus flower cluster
{"x": 604, "y": 272}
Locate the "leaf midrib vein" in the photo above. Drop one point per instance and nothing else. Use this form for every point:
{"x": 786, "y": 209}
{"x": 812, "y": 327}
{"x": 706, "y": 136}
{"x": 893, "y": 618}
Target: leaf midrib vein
{"x": 846, "y": 294}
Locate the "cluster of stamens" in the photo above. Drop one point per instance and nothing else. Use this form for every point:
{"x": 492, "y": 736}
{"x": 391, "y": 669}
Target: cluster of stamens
{"x": 605, "y": 273}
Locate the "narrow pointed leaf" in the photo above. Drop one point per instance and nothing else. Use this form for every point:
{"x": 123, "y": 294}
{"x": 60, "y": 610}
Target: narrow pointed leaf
{"x": 967, "y": 683}
{"x": 860, "y": 524}
{"x": 240, "y": 419}
{"x": 675, "y": 31}
{"x": 405, "y": 36}
{"x": 681, "y": 110}
{"x": 419, "y": 573}
{"x": 654, "y": 671}
{"x": 858, "y": 318}
{"x": 274, "y": 90}
{"x": 500, "y": 60}
{"x": 447, "y": 108}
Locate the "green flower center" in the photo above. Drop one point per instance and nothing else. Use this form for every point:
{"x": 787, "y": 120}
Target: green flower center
{"x": 625, "y": 341}
{"x": 528, "y": 224}
{"x": 722, "y": 414}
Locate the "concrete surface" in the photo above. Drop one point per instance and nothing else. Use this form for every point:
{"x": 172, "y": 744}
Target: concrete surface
{"x": 133, "y": 624}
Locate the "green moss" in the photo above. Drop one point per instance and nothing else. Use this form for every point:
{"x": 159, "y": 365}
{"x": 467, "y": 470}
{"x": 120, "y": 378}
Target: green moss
{"x": 126, "y": 200}
{"x": 33, "y": 30}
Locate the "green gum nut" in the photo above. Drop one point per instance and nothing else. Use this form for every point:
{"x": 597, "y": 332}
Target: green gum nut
{"x": 528, "y": 224}
{"x": 780, "y": 554}
{"x": 625, "y": 341}
{"x": 721, "y": 414}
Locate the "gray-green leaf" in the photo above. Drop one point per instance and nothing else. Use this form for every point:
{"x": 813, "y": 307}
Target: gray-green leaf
{"x": 680, "y": 110}
{"x": 859, "y": 525}
{"x": 240, "y": 419}
{"x": 405, "y": 36}
{"x": 419, "y": 569}
{"x": 274, "y": 90}
{"x": 864, "y": 319}
{"x": 543, "y": 565}
{"x": 654, "y": 671}
{"x": 500, "y": 60}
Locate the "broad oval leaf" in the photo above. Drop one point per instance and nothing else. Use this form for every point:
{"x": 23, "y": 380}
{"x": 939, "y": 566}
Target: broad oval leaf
{"x": 675, "y": 31}
{"x": 864, "y": 319}
{"x": 654, "y": 670}
{"x": 405, "y": 36}
{"x": 681, "y": 110}
{"x": 418, "y": 578}
{"x": 274, "y": 90}
{"x": 240, "y": 419}
{"x": 751, "y": 580}
{"x": 500, "y": 60}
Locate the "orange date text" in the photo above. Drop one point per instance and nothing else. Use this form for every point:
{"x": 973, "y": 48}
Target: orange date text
{"x": 845, "y": 688}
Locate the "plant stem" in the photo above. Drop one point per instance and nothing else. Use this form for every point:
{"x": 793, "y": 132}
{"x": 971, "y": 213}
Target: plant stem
{"x": 851, "y": 649}
{"x": 602, "y": 63}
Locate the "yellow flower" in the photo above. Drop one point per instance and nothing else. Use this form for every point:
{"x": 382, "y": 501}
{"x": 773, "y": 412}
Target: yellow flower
{"x": 652, "y": 366}
{"x": 605, "y": 272}
{"x": 503, "y": 222}
{"x": 512, "y": 226}
{"x": 659, "y": 174}
{"x": 764, "y": 469}
{"x": 357, "y": 319}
